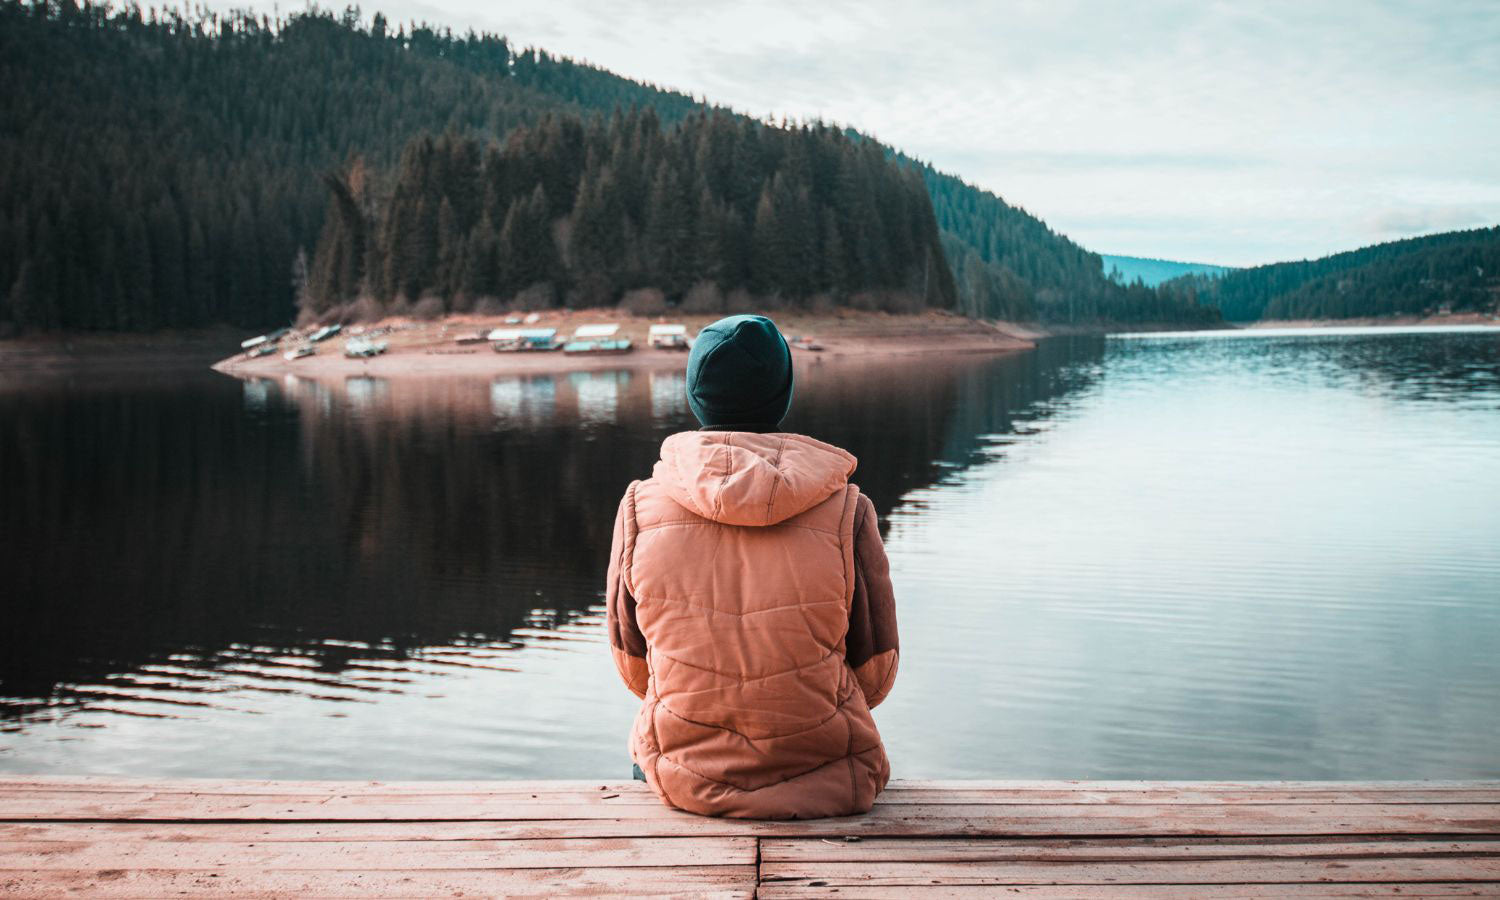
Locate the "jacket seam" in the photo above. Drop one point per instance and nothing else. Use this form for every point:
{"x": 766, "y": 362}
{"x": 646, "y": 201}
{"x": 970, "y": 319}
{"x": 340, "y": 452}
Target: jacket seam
{"x": 890, "y": 674}
{"x": 776, "y": 481}
{"x": 850, "y": 574}
{"x": 746, "y": 679}
{"x": 707, "y": 521}
{"x": 745, "y": 790}
{"x": 770, "y": 737}
{"x": 841, "y": 711}
{"x": 632, "y": 531}
{"x": 719, "y": 491}
{"x": 665, "y": 599}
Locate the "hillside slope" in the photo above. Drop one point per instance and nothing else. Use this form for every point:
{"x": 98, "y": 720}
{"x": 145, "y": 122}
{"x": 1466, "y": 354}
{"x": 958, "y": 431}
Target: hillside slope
{"x": 1454, "y": 271}
{"x": 171, "y": 171}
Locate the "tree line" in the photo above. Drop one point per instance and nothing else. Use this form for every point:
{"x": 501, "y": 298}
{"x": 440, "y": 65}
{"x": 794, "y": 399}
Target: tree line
{"x": 1010, "y": 265}
{"x": 169, "y": 169}
{"x": 583, "y": 212}
{"x": 1456, "y": 271}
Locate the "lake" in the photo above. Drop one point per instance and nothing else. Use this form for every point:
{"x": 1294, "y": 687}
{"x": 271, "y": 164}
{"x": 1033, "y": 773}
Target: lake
{"x": 1256, "y": 555}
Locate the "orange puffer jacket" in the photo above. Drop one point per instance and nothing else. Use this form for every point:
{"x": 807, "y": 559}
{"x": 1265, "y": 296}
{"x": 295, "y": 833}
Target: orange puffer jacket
{"x": 750, "y": 607}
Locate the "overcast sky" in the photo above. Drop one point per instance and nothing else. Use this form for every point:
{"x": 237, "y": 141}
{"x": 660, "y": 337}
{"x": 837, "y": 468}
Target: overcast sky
{"x": 1227, "y": 132}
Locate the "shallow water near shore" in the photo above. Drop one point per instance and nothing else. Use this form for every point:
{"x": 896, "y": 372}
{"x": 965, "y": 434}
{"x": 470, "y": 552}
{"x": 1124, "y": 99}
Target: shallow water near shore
{"x": 1249, "y": 556}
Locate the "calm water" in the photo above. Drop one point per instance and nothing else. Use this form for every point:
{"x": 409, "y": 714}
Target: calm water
{"x": 1248, "y": 556}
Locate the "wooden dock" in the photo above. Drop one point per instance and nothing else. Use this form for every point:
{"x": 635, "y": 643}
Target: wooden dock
{"x": 114, "y": 837}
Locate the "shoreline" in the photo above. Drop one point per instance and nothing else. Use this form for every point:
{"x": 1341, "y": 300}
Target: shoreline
{"x": 1486, "y": 319}
{"x": 428, "y": 349}
{"x": 70, "y": 353}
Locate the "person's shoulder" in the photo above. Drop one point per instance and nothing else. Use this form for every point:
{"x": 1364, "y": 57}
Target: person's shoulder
{"x": 650, "y": 503}
{"x": 864, "y": 510}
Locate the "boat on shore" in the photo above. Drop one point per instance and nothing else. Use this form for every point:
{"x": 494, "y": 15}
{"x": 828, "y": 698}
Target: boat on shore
{"x": 262, "y": 340}
{"x": 324, "y": 333}
{"x": 524, "y": 340}
{"x": 597, "y": 340}
{"x": 299, "y": 352}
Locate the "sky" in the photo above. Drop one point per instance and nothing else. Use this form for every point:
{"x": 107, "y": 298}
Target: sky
{"x": 1225, "y": 132}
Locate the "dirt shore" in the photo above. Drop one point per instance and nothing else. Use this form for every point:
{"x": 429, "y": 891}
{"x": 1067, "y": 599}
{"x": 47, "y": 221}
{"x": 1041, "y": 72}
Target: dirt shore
{"x": 431, "y": 348}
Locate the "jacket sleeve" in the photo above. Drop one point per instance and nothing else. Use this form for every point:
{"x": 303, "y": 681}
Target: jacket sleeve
{"x": 872, "y": 648}
{"x": 626, "y": 643}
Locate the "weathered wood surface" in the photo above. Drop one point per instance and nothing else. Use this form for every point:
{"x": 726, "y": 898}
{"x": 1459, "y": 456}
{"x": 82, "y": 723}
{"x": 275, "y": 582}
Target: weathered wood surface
{"x": 117, "y": 837}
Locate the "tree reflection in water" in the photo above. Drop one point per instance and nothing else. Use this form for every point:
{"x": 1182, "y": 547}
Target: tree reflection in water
{"x": 301, "y": 531}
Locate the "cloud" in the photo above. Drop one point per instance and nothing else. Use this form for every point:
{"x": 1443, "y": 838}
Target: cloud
{"x": 1410, "y": 220}
{"x": 1204, "y": 129}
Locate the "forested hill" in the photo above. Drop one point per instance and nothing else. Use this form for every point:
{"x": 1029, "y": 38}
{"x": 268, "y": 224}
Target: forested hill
{"x": 1457, "y": 271}
{"x": 715, "y": 208}
{"x": 162, "y": 171}
{"x": 1008, "y": 264}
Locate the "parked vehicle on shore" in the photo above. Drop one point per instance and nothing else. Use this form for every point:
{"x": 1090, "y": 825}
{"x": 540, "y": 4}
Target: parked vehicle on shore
{"x": 356, "y": 348}
{"x": 668, "y": 336}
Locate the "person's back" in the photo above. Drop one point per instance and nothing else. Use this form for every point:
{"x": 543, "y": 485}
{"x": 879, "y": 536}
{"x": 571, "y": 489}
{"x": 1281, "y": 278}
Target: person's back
{"x": 750, "y": 604}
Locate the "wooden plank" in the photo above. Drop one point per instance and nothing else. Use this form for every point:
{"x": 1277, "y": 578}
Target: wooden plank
{"x": 355, "y": 832}
{"x": 135, "y": 837}
{"x": 639, "y": 793}
{"x": 722, "y": 881}
{"x": 1019, "y": 819}
{"x": 797, "y": 891}
{"x": 1185, "y": 795}
{"x": 1106, "y": 785}
{"x": 97, "y": 783}
{"x": 1190, "y": 871}
{"x": 863, "y": 826}
{"x": 811, "y": 850}
{"x": 378, "y": 856}
{"x": 219, "y": 785}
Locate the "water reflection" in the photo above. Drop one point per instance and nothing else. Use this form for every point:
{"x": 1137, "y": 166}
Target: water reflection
{"x": 169, "y": 540}
{"x": 319, "y": 578}
{"x": 669, "y": 396}
{"x": 365, "y": 391}
{"x": 598, "y": 394}
{"x": 525, "y": 402}
{"x": 257, "y": 393}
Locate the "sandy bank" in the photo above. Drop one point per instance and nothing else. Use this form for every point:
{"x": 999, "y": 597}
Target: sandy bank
{"x": 430, "y": 348}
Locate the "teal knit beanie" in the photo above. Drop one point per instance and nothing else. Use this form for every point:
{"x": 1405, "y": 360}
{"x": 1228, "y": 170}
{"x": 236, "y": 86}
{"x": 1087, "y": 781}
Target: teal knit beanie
{"x": 740, "y": 373}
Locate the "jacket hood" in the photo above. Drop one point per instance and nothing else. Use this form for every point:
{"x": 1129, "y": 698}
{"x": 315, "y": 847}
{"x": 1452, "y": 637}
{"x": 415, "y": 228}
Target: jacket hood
{"x": 743, "y": 478}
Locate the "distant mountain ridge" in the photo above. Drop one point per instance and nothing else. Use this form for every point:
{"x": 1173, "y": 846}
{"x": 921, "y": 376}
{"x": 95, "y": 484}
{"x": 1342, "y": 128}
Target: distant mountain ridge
{"x": 1153, "y": 272}
{"x": 1456, "y": 271}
